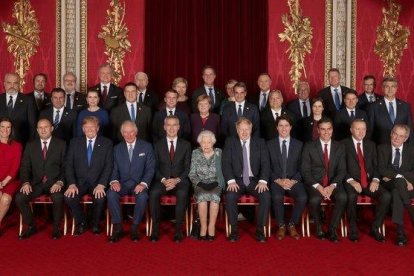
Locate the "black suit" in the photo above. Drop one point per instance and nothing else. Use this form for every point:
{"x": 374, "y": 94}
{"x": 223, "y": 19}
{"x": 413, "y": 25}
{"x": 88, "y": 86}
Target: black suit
{"x": 382, "y": 196}
{"x": 114, "y": 97}
{"x": 229, "y": 119}
{"x": 158, "y": 131}
{"x": 380, "y": 122}
{"x": 305, "y": 127}
{"x": 328, "y": 101}
{"x": 121, "y": 114}
{"x": 296, "y": 107}
{"x": 79, "y": 101}
{"x": 41, "y": 104}
{"x": 293, "y": 163}
{"x": 401, "y": 197}
{"x": 165, "y": 168}
{"x": 313, "y": 171}
{"x": 23, "y": 116}
{"x": 342, "y": 122}
{"x": 233, "y": 169}
{"x": 255, "y": 99}
{"x": 268, "y": 123}
{"x": 218, "y": 98}
{"x": 41, "y": 174}
{"x": 87, "y": 177}
{"x": 151, "y": 100}
{"x": 66, "y": 128}
{"x": 363, "y": 102}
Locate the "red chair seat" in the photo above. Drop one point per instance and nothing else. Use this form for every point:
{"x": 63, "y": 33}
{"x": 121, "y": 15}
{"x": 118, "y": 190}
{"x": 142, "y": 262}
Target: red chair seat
{"x": 127, "y": 199}
{"x": 86, "y": 198}
{"x": 364, "y": 200}
{"x": 42, "y": 199}
{"x": 248, "y": 199}
{"x": 287, "y": 200}
{"x": 168, "y": 200}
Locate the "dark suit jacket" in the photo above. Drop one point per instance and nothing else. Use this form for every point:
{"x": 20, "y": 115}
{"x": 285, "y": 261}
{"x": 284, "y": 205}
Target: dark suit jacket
{"x": 229, "y": 119}
{"x": 313, "y": 168}
{"x": 151, "y": 100}
{"x": 114, "y": 97}
{"x": 212, "y": 124}
{"x": 295, "y": 107}
{"x": 140, "y": 169}
{"x": 67, "y": 125}
{"x": 79, "y": 101}
{"x": 179, "y": 167}
{"x": 218, "y": 94}
{"x": 46, "y": 103}
{"x": 121, "y": 114}
{"x": 328, "y": 101}
{"x": 342, "y": 123}
{"x": 158, "y": 131}
{"x": 268, "y": 123}
{"x": 23, "y": 116}
{"x": 254, "y": 98}
{"x": 385, "y": 167}
{"x": 233, "y": 159}
{"x": 77, "y": 170}
{"x": 33, "y": 167}
{"x": 304, "y": 128}
{"x": 293, "y": 162}
{"x": 370, "y": 156}
{"x": 363, "y": 102}
{"x": 380, "y": 122}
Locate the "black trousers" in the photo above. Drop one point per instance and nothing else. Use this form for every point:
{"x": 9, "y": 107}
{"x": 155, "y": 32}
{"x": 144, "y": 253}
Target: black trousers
{"x": 401, "y": 198}
{"x": 23, "y": 200}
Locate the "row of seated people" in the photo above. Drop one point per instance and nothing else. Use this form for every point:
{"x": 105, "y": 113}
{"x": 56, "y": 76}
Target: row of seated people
{"x": 208, "y": 109}
{"x": 324, "y": 170}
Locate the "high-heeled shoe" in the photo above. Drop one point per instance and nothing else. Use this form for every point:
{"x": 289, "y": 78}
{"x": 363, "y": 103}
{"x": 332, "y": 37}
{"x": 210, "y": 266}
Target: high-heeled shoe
{"x": 211, "y": 238}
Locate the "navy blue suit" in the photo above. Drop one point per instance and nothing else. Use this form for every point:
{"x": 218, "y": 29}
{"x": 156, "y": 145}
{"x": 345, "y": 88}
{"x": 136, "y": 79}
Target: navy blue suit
{"x": 129, "y": 174}
{"x": 158, "y": 131}
{"x": 342, "y": 122}
{"x": 363, "y": 102}
{"x": 229, "y": 119}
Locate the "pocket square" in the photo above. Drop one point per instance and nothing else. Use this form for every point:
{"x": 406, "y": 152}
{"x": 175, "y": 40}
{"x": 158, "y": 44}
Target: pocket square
{"x": 114, "y": 97}
{"x": 142, "y": 154}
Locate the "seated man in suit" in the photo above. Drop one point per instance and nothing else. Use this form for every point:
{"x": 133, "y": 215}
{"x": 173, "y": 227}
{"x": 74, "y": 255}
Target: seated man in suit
{"x": 216, "y": 95}
{"x": 301, "y": 106}
{"x": 173, "y": 157}
{"x": 396, "y": 169}
{"x": 368, "y": 96}
{"x": 246, "y": 171}
{"x": 363, "y": 179}
{"x": 158, "y": 123}
{"x": 346, "y": 115}
{"x": 232, "y": 112}
{"x": 132, "y": 175}
{"x": 73, "y": 99}
{"x": 285, "y": 160}
{"x": 110, "y": 95}
{"x": 88, "y": 169}
{"x": 323, "y": 171}
{"x": 39, "y": 96}
{"x": 145, "y": 96}
{"x": 387, "y": 112}
{"x": 131, "y": 110}
{"x": 333, "y": 94}
{"x": 271, "y": 113}
{"x": 63, "y": 119}
{"x": 42, "y": 172}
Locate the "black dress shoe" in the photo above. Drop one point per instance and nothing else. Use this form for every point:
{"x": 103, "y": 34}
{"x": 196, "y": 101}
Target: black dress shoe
{"x": 377, "y": 235}
{"x": 116, "y": 237}
{"x": 211, "y": 238}
{"x": 178, "y": 237}
{"x": 260, "y": 237}
{"x": 332, "y": 236}
{"x": 80, "y": 229}
{"x": 353, "y": 236}
{"x": 154, "y": 238}
{"x": 56, "y": 234}
{"x": 319, "y": 232}
{"x": 96, "y": 230}
{"x": 30, "y": 231}
{"x": 134, "y": 236}
{"x": 234, "y": 236}
{"x": 401, "y": 239}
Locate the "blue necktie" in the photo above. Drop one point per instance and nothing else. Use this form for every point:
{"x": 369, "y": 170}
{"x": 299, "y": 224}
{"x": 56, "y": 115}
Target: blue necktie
{"x": 211, "y": 95}
{"x": 239, "y": 111}
{"x": 397, "y": 157}
{"x": 246, "y": 177}
{"x": 337, "y": 99}
{"x": 133, "y": 113}
{"x": 352, "y": 115}
{"x": 263, "y": 103}
{"x": 89, "y": 152}
{"x": 284, "y": 159}
{"x": 56, "y": 121}
{"x": 391, "y": 111}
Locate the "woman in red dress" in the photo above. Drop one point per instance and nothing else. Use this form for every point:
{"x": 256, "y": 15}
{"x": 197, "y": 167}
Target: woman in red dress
{"x": 10, "y": 155}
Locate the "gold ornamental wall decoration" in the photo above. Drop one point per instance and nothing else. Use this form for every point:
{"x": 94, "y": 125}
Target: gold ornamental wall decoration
{"x": 298, "y": 32}
{"x": 22, "y": 37}
{"x": 392, "y": 38}
{"x": 115, "y": 36}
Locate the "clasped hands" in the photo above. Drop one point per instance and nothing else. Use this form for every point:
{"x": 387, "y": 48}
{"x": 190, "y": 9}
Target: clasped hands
{"x": 170, "y": 183}
{"x": 326, "y": 192}
{"x": 285, "y": 183}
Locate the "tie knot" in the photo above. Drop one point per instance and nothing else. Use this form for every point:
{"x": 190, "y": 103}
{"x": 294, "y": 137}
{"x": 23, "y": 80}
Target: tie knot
{"x": 359, "y": 144}
{"x": 210, "y": 89}
{"x": 277, "y": 114}
{"x": 57, "y": 111}
{"x": 326, "y": 146}
{"x": 284, "y": 142}
{"x": 45, "y": 143}
{"x": 90, "y": 141}
{"x": 244, "y": 143}
{"x": 397, "y": 149}
{"x": 172, "y": 143}
{"x": 336, "y": 90}
{"x": 105, "y": 87}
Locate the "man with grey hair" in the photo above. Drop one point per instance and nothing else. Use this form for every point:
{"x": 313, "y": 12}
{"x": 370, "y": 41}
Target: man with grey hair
{"x": 301, "y": 106}
{"x": 74, "y": 100}
{"x": 145, "y": 96}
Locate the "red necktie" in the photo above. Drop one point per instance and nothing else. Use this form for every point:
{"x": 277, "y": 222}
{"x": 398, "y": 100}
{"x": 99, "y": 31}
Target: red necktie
{"x": 172, "y": 151}
{"x": 361, "y": 162}
{"x": 325, "y": 181}
{"x": 104, "y": 93}
{"x": 44, "y": 153}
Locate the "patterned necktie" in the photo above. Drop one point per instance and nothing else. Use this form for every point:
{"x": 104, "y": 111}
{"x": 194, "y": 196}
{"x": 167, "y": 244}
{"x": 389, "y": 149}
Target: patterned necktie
{"x": 10, "y": 105}
{"x": 172, "y": 151}
{"x": 246, "y": 175}
{"x": 277, "y": 115}
{"x": 89, "y": 152}
{"x": 325, "y": 180}
{"x": 391, "y": 111}
{"x": 304, "y": 109}
{"x": 284, "y": 159}
{"x": 337, "y": 99}
{"x": 263, "y": 103}
{"x": 57, "y": 119}
{"x": 211, "y": 95}
{"x": 68, "y": 102}
{"x": 133, "y": 116}
{"x": 171, "y": 113}
{"x": 371, "y": 99}
{"x": 361, "y": 161}
{"x": 397, "y": 158}
{"x": 239, "y": 111}
{"x": 352, "y": 115}
{"x": 104, "y": 93}
{"x": 130, "y": 151}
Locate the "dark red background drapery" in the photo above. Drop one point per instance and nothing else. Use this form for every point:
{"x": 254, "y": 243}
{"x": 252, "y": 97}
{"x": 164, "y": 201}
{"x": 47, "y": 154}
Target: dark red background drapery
{"x": 182, "y": 36}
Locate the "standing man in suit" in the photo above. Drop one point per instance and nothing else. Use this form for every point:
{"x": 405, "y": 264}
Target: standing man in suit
{"x": 232, "y": 112}
{"x": 145, "y": 96}
{"x": 158, "y": 124}
{"x": 396, "y": 169}
{"x": 63, "y": 120}
{"x": 301, "y": 106}
{"x": 19, "y": 108}
{"x": 246, "y": 171}
{"x": 216, "y": 95}
{"x": 110, "y": 95}
{"x": 363, "y": 179}
{"x": 346, "y": 115}
{"x": 42, "y": 172}
{"x": 270, "y": 114}
{"x": 387, "y": 112}
{"x": 132, "y": 175}
{"x": 323, "y": 171}
{"x": 131, "y": 110}
{"x": 173, "y": 157}
{"x": 333, "y": 94}
{"x": 285, "y": 160}
{"x": 73, "y": 99}
{"x": 39, "y": 96}
{"x": 261, "y": 99}
{"x": 368, "y": 96}
{"x": 88, "y": 169}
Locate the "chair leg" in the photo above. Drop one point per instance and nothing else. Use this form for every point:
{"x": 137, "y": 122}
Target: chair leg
{"x": 308, "y": 224}
{"x": 65, "y": 222}
{"x": 342, "y": 228}
{"x": 186, "y": 222}
{"x": 147, "y": 222}
{"x": 73, "y": 226}
{"x": 345, "y": 226}
{"x": 226, "y": 221}
{"x": 107, "y": 222}
{"x": 303, "y": 224}
{"x": 269, "y": 226}
{"x": 191, "y": 217}
{"x": 20, "y": 224}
